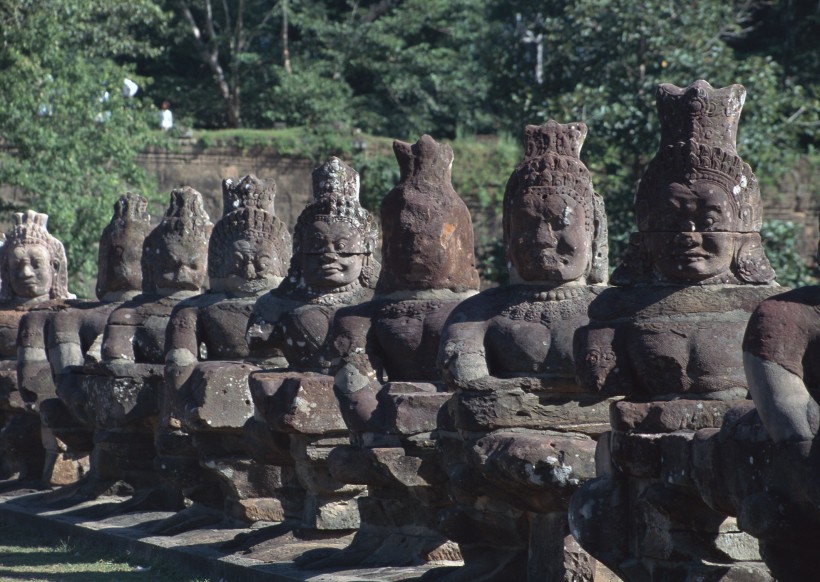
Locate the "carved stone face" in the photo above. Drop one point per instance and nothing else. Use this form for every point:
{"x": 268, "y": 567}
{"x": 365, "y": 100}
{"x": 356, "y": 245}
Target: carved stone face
{"x": 178, "y": 268}
{"x": 249, "y": 265}
{"x": 120, "y": 268}
{"x": 332, "y": 254}
{"x": 693, "y": 244}
{"x": 550, "y": 241}
{"x": 30, "y": 270}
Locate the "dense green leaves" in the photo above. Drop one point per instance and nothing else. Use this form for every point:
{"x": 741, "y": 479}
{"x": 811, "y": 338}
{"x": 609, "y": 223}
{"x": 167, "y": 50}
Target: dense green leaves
{"x": 71, "y": 138}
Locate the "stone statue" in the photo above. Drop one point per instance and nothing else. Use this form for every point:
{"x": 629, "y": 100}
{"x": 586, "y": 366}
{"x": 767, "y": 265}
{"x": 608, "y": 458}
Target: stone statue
{"x": 72, "y": 331}
{"x": 207, "y": 362}
{"x": 669, "y": 339}
{"x": 119, "y": 396}
{"x": 763, "y": 464}
{"x": 332, "y": 266}
{"x": 34, "y": 275}
{"x": 388, "y": 386}
{"x": 520, "y": 439}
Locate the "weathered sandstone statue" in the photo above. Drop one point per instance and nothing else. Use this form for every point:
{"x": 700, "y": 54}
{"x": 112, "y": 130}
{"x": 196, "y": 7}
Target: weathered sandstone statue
{"x": 763, "y": 465}
{"x": 68, "y": 333}
{"x": 298, "y": 420}
{"x": 206, "y": 394}
{"x": 33, "y": 274}
{"x": 669, "y": 339}
{"x": 389, "y": 389}
{"x": 119, "y": 396}
{"x": 522, "y": 429}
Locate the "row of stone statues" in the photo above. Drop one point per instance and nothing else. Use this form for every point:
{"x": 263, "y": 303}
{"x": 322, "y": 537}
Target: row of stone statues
{"x": 548, "y": 429}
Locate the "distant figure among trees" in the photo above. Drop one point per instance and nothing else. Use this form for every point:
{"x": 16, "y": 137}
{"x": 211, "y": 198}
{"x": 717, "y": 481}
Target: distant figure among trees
{"x": 166, "y": 121}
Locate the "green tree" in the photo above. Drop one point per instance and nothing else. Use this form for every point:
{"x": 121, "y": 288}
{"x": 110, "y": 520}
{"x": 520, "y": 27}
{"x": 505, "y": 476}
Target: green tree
{"x": 69, "y": 136}
{"x": 600, "y": 63}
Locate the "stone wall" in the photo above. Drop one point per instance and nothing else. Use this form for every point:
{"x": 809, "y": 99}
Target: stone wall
{"x": 205, "y": 168}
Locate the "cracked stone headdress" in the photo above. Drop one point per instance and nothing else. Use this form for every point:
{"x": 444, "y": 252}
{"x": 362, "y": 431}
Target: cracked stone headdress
{"x": 30, "y": 228}
{"x": 427, "y": 229}
{"x": 698, "y": 135}
{"x": 552, "y": 166}
{"x": 121, "y": 243}
{"x": 698, "y": 144}
{"x": 336, "y": 199}
{"x": 181, "y": 236}
{"x": 248, "y": 215}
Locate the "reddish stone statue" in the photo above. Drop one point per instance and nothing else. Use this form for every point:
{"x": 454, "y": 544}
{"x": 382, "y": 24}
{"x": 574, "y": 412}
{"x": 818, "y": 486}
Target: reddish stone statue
{"x": 298, "y": 420}
{"x": 206, "y": 394}
{"x": 763, "y": 464}
{"x": 389, "y": 389}
{"x": 522, "y": 431}
{"x": 669, "y": 338}
{"x": 34, "y": 276}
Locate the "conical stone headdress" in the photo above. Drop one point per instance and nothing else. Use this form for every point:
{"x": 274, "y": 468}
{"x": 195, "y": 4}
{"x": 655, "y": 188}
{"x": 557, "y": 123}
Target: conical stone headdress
{"x": 182, "y": 236}
{"x": 248, "y": 215}
{"x": 335, "y": 199}
{"x": 426, "y": 227}
{"x": 698, "y": 135}
{"x": 129, "y": 226}
{"x": 30, "y": 228}
{"x": 698, "y": 144}
{"x": 552, "y": 166}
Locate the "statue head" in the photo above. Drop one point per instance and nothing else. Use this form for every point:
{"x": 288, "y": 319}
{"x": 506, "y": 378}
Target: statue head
{"x": 174, "y": 254}
{"x": 334, "y": 237}
{"x": 698, "y": 204}
{"x": 426, "y": 228}
{"x": 32, "y": 262}
{"x": 118, "y": 263}
{"x": 554, "y": 223}
{"x": 249, "y": 247}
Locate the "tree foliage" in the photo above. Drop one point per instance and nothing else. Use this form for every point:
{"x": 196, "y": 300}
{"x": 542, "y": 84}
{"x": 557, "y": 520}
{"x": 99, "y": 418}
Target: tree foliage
{"x": 70, "y": 138}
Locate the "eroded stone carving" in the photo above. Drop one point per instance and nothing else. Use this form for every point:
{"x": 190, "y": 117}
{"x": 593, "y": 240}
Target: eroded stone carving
{"x": 388, "y": 386}
{"x": 298, "y": 421}
{"x": 762, "y": 465}
{"x": 207, "y": 364}
{"x": 72, "y": 332}
{"x": 669, "y": 339}
{"x": 34, "y": 276}
{"x": 522, "y": 429}
{"x": 119, "y": 396}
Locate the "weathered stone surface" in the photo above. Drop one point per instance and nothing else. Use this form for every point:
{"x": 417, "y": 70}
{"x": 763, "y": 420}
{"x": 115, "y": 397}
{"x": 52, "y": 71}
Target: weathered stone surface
{"x": 33, "y": 274}
{"x": 302, "y": 404}
{"x": 122, "y": 395}
{"x": 387, "y": 382}
{"x": 514, "y": 407}
{"x": 508, "y": 355}
{"x": 332, "y": 266}
{"x": 220, "y": 397}
{"x": 669, "y": 340}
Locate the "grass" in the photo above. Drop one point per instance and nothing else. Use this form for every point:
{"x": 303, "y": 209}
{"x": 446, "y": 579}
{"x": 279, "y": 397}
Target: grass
{"x": 28, "y": 555}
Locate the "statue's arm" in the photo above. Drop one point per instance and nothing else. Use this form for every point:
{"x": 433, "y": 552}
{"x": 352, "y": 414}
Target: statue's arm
{"x": 788, "y": 411}
{"x": 359, "y": 372}
{"x": 181, "y": 346}
{"x": 33, "y": 371}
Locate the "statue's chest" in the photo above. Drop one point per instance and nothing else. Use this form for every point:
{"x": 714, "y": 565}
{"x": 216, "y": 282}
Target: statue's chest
{"x": 408, "y": 333}
{"x": 533, "y": 339}
{"x": 688, "y": 354}
{"x": 304, "y": 332}
{"x": 223, "y": 327}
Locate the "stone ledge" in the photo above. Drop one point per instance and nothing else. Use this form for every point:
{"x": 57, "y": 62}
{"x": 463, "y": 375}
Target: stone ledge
{"x": 197, "y": 551}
